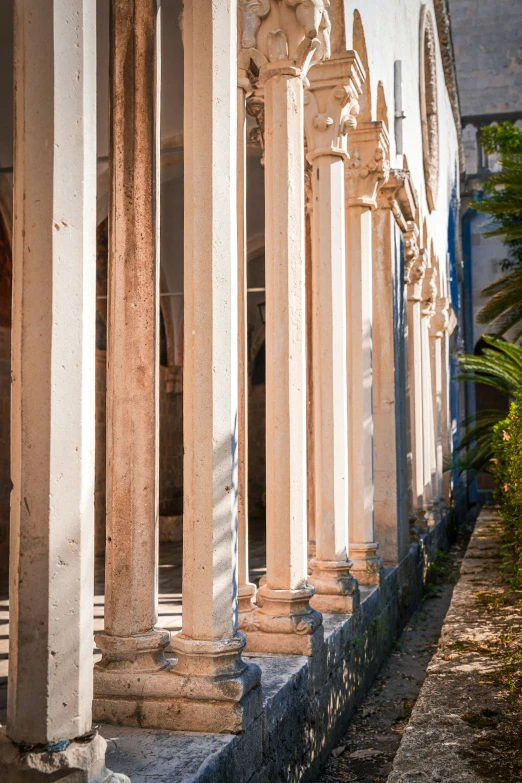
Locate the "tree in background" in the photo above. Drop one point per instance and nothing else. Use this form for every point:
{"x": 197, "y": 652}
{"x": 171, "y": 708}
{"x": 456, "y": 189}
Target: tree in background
{"x": 507, "y": 462}
{"x": 499, "y": 366}
{"x": 503, "y": 201}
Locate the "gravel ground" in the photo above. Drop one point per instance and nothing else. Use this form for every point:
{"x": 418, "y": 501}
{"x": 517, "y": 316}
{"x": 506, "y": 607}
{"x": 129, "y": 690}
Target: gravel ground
{"x": 366, "y": 752}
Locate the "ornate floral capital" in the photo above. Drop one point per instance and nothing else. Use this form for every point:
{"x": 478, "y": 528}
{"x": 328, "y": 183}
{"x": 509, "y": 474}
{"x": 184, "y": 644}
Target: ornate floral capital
{"x": 440, "y": 320}
{"x": 398, "y": 194}
{"x": 282, "y": 36}
{"x": 368, "y": 168}
{"x": 331, "y": 104}
{"x": 429, "y": 293}
{"x": 411, "y": 249}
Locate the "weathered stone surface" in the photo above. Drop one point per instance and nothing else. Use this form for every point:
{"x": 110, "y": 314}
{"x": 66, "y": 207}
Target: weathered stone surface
{"x": 307, "y": 702}
{"x": 79, "y": 762}
{"x": 458, "y": 703}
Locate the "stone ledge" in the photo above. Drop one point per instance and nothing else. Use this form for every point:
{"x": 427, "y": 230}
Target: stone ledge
{"x": 437, "y": 744}
{"x": 307, "y": 702}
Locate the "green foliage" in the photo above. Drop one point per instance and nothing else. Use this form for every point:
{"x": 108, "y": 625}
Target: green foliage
{"x": 503, "y": 201}
{"x": 504, "y": 139}
{"x": 499, "y": 366}
{"x": 507, "y": 461}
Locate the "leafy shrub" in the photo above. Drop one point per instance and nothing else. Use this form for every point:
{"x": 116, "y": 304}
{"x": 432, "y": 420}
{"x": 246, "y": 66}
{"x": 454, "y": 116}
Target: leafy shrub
{"x": 507, "y": 449}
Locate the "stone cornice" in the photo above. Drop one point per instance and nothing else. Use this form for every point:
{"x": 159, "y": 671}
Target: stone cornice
{"x": 368, "y": 167}
{"x": 399, "y": 195}
{"x": 331, "y": 104}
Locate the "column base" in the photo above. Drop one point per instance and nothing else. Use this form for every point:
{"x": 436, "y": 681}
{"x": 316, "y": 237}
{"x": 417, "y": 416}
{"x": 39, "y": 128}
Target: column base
{"x": 79, "y": 762}
{"x": 210, "y": 688}
{"x": 432, "y": 513}
{"x": 336, "y": 591}
{"x": 418, "y": 524}
{"x": 367, "y": 565}
{"x": 245, "y": 597}
{"x": 283, "y": 623}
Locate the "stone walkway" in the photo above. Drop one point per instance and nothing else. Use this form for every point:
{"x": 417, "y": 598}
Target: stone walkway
{"x": 466, "y": 725}
{"x": 366, "y": 751}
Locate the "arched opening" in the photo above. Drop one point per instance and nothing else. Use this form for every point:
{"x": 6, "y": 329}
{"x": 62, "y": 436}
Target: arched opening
{"x": 429, "y": 107}
{"x": 359, "y": 46}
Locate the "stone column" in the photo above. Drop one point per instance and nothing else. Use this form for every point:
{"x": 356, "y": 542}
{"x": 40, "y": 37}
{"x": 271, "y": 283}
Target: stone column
{"x": 331, "y": 108}
{"x": 208, "y": 649}
{"x": 130, "y": 642}
{"x": 365, "y": 173}
{"x": 437, "y": 330}
{"x": 52, "y": 425}
{"x": 445, "y": 402}
{"x": 283, "y": 41}
{"x": 415, "y": 265}
{"x": 209, "y": 688}
{"x": 310, "y": 434}
{"x": 429, "y": 295}
{"x": 395, "y": 204}
{"x": 246, "y": 590}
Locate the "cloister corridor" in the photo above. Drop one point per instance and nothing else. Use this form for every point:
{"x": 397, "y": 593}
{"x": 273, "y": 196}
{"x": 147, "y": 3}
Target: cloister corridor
{"x": 170, "y": 599}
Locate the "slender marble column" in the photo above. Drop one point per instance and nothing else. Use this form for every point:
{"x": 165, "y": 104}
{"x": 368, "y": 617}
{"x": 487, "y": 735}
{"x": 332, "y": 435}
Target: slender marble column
{"x": 209, "y": 686}
{"x": 310, "y": 434}
{"x": 429, "y": 295}
{"x": 366, "y": 171}
{"x": 395, "y": 204}
{"x": 246, "y": 590}
{"x": 209, "y": 646}
{"x": 436, "y": 374}
{"x": 284, "y": 42}
{"x": 52, "y": 425}
{"x": 331, "y": 108}
{"x": 130, "y": 639}
{"x": 450, "y": 324}
{"x": 415, "y": 264}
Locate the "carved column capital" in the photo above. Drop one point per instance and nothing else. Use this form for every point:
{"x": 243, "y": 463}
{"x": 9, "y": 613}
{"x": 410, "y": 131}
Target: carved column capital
{"x": 288, "y": 37}
{"x": 332, "y": 105}
{"x": 398, "y": 194}
{"x": 369, "y": 167}
{"x": 415, "y": 263}
{"x": 411, "y": 249}
{"x": 440, "y": 320}
{"x": 429, "y": 294}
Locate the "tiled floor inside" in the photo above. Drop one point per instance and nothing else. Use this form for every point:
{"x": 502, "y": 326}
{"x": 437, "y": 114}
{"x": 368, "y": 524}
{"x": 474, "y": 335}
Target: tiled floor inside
{"x": 170, "y": 596}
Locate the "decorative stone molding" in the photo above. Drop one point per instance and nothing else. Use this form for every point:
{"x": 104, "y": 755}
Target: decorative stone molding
{"x": 331, "y": 105}
{"x": 369, "y": 166}
{"x": 284, "y": 37}
{"x": 416, "y": 277}
{"x": 255, "y": 106}
{"x": 440, "y": 320}
{"x": 399, "y": 195}
{"x": 429, "y": 293}
{"x": 429, "y": 106}
{"x": 411, "y": 249}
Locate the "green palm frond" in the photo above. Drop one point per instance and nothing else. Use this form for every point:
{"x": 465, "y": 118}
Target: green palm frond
{"x": 499, "y": 366}
{"x": 503, "y": 310}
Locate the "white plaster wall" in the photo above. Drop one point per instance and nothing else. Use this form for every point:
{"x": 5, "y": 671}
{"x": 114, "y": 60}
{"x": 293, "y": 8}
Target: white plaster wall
{"x": 392, "y": 31}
